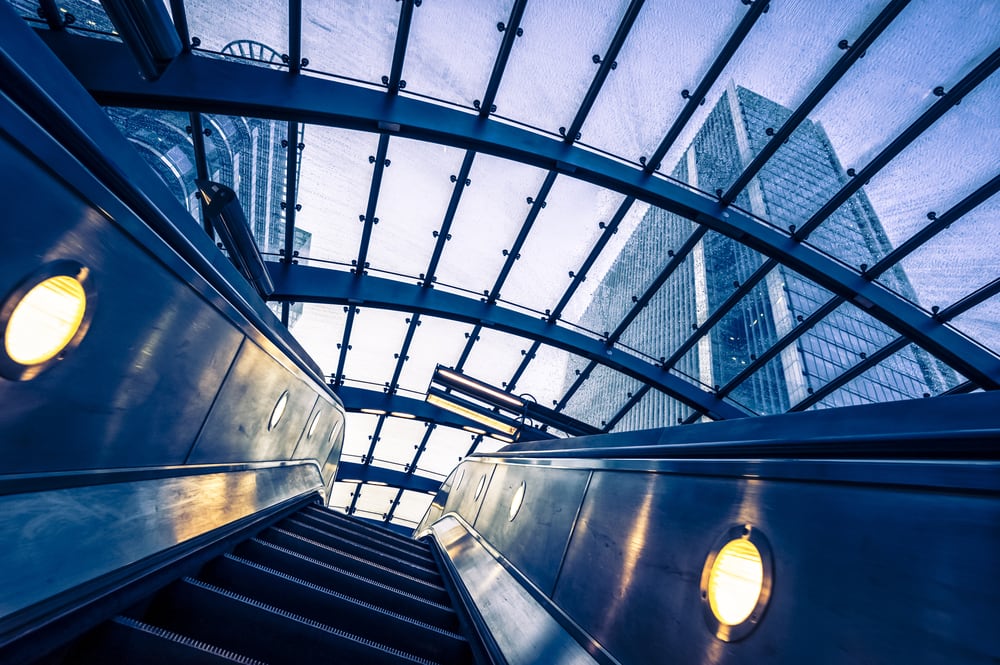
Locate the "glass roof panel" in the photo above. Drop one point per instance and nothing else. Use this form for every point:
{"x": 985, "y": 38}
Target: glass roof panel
{"x": 437, "y": 341}
{"x": 547, "y": 77}
{"x": 445, "y": 449}
{"x": 489, "y": 445}
{"x": 89, "y": 16}
{"x": 490, "y": 215}
{"x": 334, "y": 180}
{"x": 411, "y": 508}
{"x": 982, "y": 323}
{"x": 670, "y": 47}
{"x": 655, "y": 409}
{"x": 452, "y": 48}
{"x": 415, "y": 192}
{"x": 230, "y": 27}
{"x": 376, "y": 336}
{"x": 319, "y": 328}
{"x": 341, "y": 495}
{"x": 909, "y": 373}
{"x": 544, "y": 376}
{"x": 351, "y": 39}
{"x": 786, "y": 53}
{"x": 495, "y": 357}
{"x": 375, "y": 500}
{"x": 358, "y": 429}
{"x": 600, "y": 396}
{"x": 560, "y": 240}
{"x": 398, "y": 442}
{"x": 777, "y": 385}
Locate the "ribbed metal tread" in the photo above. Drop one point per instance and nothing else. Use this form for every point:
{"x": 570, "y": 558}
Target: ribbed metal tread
{"x": 334, "y": 517}
{"x": 420, "y": 557}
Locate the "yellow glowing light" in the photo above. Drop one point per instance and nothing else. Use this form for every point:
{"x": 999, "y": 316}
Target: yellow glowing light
{"x": 278, "y": 411}
{"x": 402, "y": 414}
{"x": 470, "y": 414}
{"x": 735, "y": 582}
{"x": 45, "y": 321}
{"x": 374, "y": 412}
{"x": 480, "y": 388}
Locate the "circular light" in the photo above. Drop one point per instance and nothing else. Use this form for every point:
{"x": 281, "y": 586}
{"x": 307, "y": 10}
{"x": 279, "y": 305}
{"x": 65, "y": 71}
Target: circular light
{"x": 278, "y": 411}
{"x": 515, "y": 502}
{"x": 736, "y": 582}
{"x": 45, "y": 320}
{"x": 312, "y": 425}
{"x": 479, "y": 488}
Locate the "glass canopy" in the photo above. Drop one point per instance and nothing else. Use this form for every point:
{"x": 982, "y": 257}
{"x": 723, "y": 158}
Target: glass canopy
{"x": 650, "y": 215}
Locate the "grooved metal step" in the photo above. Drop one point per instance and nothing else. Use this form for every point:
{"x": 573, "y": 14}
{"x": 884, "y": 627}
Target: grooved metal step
{"x": 420, "y": 557}
{"x": 386, "y": 535}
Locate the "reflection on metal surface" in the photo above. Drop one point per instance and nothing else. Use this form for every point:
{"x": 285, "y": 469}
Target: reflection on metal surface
{"x": 312, "y": 425}
{"x": 479, "y": 488}
{"x": 279, "y": 410}
{"x": 516, "y": 501}
{"x": 525, "y": 632}
{"x": 736, "y": 583}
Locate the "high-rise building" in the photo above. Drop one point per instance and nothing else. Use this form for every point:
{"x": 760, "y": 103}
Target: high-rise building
{"x": 801, "y": 177}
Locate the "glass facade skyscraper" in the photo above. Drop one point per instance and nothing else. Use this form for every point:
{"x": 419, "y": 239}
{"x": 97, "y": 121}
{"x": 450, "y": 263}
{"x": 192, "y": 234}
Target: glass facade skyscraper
{"x": 801, "y": 177}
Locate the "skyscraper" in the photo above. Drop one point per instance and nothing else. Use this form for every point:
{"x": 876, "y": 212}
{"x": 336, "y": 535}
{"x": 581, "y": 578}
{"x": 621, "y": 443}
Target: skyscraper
{"x": 798, "y": 180}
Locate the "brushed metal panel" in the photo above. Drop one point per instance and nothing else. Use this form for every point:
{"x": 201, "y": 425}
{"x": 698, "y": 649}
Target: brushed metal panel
{"x": 462, "y": 499}
{"x": 67, "y": 537}
{"x": 536, "y": 539}
{"x": 150, "y": 336}
{"x": 525, "y": 632}
{"x": 862, "y": 574}
{"x": 237, "y": 426}
{"x": 319, "y": 445}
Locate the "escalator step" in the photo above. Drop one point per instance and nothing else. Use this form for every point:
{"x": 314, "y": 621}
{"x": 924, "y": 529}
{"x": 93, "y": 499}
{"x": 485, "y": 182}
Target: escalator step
{"x": 421, "y": 558}
{"x": 237, "y": 622}
{"x": 334, "y": 517}
{"x": 427, "y": 571}
{"x": 352, "y": 615}
{"x": 330, "y": 577}
{"x": 128, "y": 641}
{"x": 357, "y": 565}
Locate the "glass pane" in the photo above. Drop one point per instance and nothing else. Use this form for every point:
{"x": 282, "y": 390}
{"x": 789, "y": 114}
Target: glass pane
{"x": 488, "y": 219}
{"x": 377, "y": 335}
{"x": 489, "y": 445}
{"x": 452, "y": 48}
{"x": 547, "y": 77}
{"x": 319, "y": 329}
{"x": 908, "y": 374}
{"x": 28, "y": 9}
{"x": 335, "y": 176}
{"x": 777, "y": 385}
{"x": 437, "y": 341}
{"x": 411, "y": 507}
{"x": 415, "y": 192}
{"x": 670, "y": 41}
{"x": 163, "y": 140}
{"x": 560, "y": 240}
{"x": 351, "y": 39}
{"x": 341, "y": 495}
{"x": 90, "y": 16}
{"x": 246, "y": 154}
{"x": 374, "y": 501}
{"x": 982, "y": 323}
{"x": 599, "y": 397}
{"x": 655, "y": 409}
{"x": 495, "y": 357}
{"x": 398, "y": 442}
{"x": 445, "y": 449}
{"x": 224, "y": 27}
{"x": 358, "y": 430}
{"x": 955, "y": 262}
{"x": 544, "y": 376}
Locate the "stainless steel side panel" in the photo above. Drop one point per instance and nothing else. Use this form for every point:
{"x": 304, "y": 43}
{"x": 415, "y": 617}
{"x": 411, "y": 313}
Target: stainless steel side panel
{"x": 462, "y": 499}
{"x": 536, "y": 539}
{"x": 56, "y": 540}
{"x": 525, "y": 632}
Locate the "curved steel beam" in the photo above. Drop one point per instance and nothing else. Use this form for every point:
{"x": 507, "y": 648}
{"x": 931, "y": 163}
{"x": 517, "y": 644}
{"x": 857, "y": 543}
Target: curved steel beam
{"x": 335, "y": 287}
{"x": 219, "y": 86}
{"x": 363, "y": 473}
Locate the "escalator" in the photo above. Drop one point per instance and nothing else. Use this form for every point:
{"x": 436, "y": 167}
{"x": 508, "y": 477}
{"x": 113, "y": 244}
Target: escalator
{"x": 314, "y": 587}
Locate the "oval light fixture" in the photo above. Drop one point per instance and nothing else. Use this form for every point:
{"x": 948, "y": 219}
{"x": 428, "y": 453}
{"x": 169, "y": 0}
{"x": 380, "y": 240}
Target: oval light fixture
{"x": 736, "y": 582}
{"x": 312, "y": 425}
{"x": 515, "y": 502}
{"x": 460, "y": 478}
{"x": 278, "y": 411}
{"x": 44, "y": 316}
{"x": 479, "y": 487}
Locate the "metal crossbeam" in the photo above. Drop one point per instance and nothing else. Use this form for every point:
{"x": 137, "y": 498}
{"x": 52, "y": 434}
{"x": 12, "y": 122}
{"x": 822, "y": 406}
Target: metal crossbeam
{"x": 394, "y": 81}
{"x": 309, "y": 284}
{"x": 347, "y": 471}
{"x": 294, "y": 36}
{"x": 511, "y": 31}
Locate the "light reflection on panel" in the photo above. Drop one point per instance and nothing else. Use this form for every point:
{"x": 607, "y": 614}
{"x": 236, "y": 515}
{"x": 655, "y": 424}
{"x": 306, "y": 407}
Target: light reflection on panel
{"x": 560, "y": 239}
{"x": 545, "y": 376}
{"x": 398, "y": 442}
{"x": 452, "y": 48}
{"x": 670, "y": 47}
{"x": 375, "y": 500}
{"x": 319, "y": 328}
{"x": 376, "y": 337}
{"x": 412, "y": 506}
{"x": 353, "y": 39}
{"x": 436, "y": 341}
{"x": 904, "y": 375}
{"x": 655, "y": 409}
{"x": 547, "y": 77}
{"x": 982, "y": 323}
{"x": 218, "y": 24}
{"x": 412, "y": 202}
{"x": 358, "y": 429}
{"x": 601, "y": 395}
{"x": 89, "y": 16}
{"x": 446, "y": 447}
{"x": 334, "y": 179}
{"x": 340, "y": 497}
{"x": 495, "y": 357}
{"x": 488, "y": 219}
